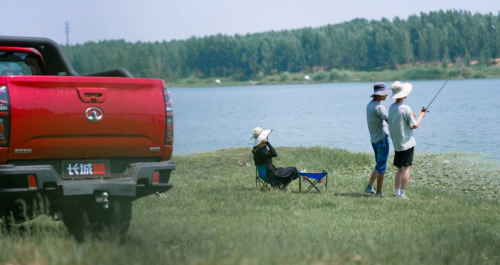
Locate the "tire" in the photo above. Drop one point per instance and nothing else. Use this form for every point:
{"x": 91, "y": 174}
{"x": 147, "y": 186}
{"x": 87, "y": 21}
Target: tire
{"x": 11, "y": 216}
{"x": 93, "y": 220}
{"x": 7, "y": 219}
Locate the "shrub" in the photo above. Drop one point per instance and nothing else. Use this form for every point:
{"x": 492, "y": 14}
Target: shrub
{"x": 346, "y": 76}
{"x": 424, "y": 73}
{"x": 192, "y": 79}
{"x": 479, "y": 75}
{"x": 466, "y": 72}
{"x": 454, "y": 73}
{"x": 320, "y": 75}
{"x": 241, "y": 77}
{"x": 284, "y": 76}
{"x": 335, "y": 75}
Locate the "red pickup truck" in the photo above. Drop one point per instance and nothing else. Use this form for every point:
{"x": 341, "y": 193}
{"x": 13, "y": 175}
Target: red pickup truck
{"x": 85, "y": 145}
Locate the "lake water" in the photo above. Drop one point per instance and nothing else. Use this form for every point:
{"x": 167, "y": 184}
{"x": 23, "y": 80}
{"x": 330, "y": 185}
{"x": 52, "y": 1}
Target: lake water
{"x": 463, "y": 118}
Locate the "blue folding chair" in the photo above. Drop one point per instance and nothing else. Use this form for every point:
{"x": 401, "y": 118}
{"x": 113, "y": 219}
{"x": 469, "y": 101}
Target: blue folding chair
{"x": 262, "y": 181}
{"x": 316, "y": 177}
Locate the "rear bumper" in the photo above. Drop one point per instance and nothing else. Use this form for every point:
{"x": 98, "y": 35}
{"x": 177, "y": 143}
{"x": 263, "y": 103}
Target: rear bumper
{"x": 135, "y": 182}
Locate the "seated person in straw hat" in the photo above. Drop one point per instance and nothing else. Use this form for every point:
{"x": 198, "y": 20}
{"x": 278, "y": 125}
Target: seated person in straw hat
{"x": 263, "y": 153}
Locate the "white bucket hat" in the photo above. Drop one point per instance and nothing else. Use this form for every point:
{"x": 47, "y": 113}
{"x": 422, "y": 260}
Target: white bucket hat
{"x": 400, "y": 90}
{"x": 258, "y": 135}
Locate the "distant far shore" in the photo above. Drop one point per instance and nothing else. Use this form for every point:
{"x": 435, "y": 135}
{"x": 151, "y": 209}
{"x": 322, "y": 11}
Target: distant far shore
{"x": 336, "y": 75}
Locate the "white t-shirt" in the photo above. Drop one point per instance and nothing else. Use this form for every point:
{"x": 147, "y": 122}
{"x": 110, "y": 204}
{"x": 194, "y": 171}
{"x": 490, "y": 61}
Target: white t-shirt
{"x": 400, "y": 122}
{"x": 375, "y": 116}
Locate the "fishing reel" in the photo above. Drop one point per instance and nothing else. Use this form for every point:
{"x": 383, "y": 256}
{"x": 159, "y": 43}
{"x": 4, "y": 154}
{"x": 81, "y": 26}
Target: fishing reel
{"x": 424, "y": 109}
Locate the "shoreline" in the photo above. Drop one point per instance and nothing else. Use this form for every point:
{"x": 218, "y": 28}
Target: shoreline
{"x": 486, "y": 156}
{"x": 451, "y": 172}
{"x": 343, "y": 76}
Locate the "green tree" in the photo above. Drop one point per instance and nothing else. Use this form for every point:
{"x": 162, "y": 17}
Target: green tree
{"x": 358, "y": 44}
{"x": 467, "y": 59}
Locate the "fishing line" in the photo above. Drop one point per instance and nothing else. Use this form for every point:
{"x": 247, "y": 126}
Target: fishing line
{"x": 452, "y": 73}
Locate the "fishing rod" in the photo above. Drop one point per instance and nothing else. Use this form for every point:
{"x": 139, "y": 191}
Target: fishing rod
{"x": 425, "y": 109}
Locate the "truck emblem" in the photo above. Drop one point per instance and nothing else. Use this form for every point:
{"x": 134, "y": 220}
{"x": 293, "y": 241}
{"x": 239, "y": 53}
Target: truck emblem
{"x": 93, "y": 114}
{"x": 154, "y": 149}
{"x": 22, "y": 151}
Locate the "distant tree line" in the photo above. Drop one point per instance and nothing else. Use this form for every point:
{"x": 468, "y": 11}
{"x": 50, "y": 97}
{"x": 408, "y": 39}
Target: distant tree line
{"x": 438, "y": 37}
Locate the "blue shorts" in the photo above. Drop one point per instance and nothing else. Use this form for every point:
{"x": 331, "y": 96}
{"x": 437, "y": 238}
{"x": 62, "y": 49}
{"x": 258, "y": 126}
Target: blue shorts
{"x": 381, "y": 150}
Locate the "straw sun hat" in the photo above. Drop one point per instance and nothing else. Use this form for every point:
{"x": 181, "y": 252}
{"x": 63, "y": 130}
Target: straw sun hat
{"x": 400, "y": 90}
{"x": 259, "y": 134}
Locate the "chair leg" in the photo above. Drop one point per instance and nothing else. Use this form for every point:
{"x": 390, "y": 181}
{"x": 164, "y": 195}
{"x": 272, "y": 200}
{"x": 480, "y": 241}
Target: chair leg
{"x": 326, "y": 182}
{"x": 256, "y": 178}
{"x": 259, "y": 183}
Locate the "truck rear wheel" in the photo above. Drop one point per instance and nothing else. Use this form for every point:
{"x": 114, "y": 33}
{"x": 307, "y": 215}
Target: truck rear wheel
{"x": 10, "y": 216}
{"x": 92, "y": 219}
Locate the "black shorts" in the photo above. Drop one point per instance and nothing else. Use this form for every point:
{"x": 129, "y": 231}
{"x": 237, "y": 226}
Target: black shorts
{"x": 403, "y": 158}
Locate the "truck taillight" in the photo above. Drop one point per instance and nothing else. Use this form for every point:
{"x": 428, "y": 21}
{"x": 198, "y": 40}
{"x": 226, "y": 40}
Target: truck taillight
{"x": 32, "y": 181}
{"x": 156, "y": 177}
{"x": 4, "y": 117}
{"x": 169, "y": 116}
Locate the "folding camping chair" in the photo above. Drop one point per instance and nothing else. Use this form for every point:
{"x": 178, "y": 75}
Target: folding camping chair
{"x": 261, "y": 179}
{"x": 316, "y": 178}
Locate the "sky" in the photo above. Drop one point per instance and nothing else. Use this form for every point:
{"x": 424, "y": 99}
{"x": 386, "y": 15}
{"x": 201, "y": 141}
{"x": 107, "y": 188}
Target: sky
{"x": 156, "y": 20}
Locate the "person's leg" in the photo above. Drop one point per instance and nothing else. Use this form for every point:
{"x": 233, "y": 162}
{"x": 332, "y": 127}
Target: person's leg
{"x": 380, "y": 181}
{"x": 373, "y": 177}
{"x": 383, "y": 155}
{"x": 285, "y": 183}
{"x": 405, "y": 177}
{"x": 406, "y": 168}
{"x": 295, "y": 174}
{"x": 375, "y": 171}
{"x": 369, "y": 189}
{"x": 397, "y": 180}
{"x": 397, "y": 186}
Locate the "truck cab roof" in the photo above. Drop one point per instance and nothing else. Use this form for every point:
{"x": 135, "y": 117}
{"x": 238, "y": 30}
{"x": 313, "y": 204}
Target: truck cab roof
{"x": 55, "y": 61}
{"x": 21, "y": 61}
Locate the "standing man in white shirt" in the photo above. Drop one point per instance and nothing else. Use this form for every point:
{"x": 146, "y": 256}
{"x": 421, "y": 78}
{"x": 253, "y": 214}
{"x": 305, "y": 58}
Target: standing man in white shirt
{"x": 379, "y": 136}
{"x": 401, "y": 125}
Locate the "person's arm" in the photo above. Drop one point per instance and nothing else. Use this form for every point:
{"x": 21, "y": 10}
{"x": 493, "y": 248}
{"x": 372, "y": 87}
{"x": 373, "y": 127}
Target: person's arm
{"x": 272, "y": 152}
{"x": 420, "y": 117}
{"x": 382, "y": 113}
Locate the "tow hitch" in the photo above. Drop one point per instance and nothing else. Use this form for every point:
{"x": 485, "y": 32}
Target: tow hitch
{"x": 103, "y": 198}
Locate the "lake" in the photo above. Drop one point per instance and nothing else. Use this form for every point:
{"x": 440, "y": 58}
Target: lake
{"x": 463, "y": 118}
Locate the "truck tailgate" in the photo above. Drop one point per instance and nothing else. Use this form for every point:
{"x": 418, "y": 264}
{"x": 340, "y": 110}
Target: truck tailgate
{"x": 85, "y": 117}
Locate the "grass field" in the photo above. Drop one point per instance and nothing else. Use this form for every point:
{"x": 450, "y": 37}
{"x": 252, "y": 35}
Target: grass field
{"x": 214, "y": 215}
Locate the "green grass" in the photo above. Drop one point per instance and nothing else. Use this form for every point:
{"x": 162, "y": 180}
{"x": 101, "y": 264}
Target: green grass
{"x": 214, "y": 215}
{"x": 335, "y": 75}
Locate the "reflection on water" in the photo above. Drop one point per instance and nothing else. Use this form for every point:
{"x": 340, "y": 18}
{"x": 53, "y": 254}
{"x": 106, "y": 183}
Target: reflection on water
{"x": 463, "y": 118}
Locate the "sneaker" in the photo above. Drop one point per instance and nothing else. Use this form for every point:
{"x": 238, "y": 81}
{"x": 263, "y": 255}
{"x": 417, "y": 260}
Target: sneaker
{"x": 403, "y": 197}
{"x": 369, "y": 192}
{"x": 380, "y": 193}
